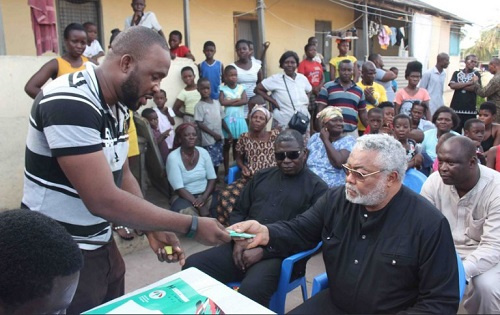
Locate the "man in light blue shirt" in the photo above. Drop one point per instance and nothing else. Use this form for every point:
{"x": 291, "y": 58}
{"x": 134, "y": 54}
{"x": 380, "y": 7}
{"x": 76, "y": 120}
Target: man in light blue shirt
{"x": 433, "y": 81}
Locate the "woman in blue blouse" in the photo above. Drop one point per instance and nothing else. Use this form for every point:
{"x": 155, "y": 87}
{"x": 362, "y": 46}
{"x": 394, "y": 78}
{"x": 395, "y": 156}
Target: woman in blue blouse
{"x": 191, "y": 173}
{"x": 329, "y": 148}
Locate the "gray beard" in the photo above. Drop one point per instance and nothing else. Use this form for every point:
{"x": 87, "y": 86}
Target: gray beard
{"x": 373, "y": 198}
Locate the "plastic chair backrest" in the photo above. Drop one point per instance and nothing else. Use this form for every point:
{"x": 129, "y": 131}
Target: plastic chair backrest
{"x": 287, "y": 281}
{"x": 233, "y": 174}
{"x": 414, "y": 180}
{"x": 461, "y": 277}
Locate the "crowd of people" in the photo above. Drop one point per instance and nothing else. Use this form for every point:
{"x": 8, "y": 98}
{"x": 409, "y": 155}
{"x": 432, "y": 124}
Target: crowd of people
{"x": 336, "y": 179}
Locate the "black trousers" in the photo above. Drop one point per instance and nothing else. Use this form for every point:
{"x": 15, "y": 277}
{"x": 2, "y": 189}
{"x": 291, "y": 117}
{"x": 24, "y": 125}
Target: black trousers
{"x": 463, "y": 119}
{"x": 102, "y": 278}
{"x": 258, "y": 283}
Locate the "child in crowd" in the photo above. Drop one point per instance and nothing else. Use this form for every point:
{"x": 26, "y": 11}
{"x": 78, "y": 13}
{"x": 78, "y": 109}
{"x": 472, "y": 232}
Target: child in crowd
{"x": 313, "y": 71}
{"x": 402, "y": 129}
{"x": 487, "y": 114}
{"x": 394, "y": 83}
{"x": 441, "y": 140}
{"x": 388, "y": 110}
{"x": 152, "y": 117}
{"x": 375, "y": 119}
{"x": 343, "y": 45}
{"x": 93, "y": 50}
{"x": 188, "y": 97}
{"x": 209, "y": 117}
{"x": 252, "y": 52}
{"x": 407, "y": 96}
{"x": 319, "y": 57}
{"x": 165, "y": 115}
{"x": 233, "y": 97}
{"x": 176, "y": 50}
{"x": 114, "y": 32}
{"x": 474, "y": 129}
{"x": 211, "y": 69}
{"x": 416, "y": 113}
{"x": 256, "y": 100}
{"x": 147, "y": 19}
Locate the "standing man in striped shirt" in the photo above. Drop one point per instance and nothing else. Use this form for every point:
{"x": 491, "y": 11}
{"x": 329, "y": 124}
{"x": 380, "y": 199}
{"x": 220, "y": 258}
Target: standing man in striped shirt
{"x": 345, "y": 94}
{"x": 77, "y": 172}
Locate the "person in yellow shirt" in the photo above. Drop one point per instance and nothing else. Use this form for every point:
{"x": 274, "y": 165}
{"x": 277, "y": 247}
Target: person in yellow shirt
{"x": 75, "y": 40}
{"x": 343, "y": 46}
{"x": 374, "y": 92}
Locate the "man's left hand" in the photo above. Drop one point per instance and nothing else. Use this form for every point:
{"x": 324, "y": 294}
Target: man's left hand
{"x": 252, "y": 256}
{"x": 158, "y": 241}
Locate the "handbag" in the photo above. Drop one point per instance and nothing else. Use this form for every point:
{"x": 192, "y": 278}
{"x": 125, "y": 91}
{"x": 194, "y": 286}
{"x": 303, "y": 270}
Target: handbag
{"x": 299, "y": 121}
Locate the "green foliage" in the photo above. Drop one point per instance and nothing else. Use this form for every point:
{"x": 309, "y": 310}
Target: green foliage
{"x": 487, "y": 45}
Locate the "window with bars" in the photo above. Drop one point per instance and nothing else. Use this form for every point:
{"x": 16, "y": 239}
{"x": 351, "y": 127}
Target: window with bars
{"x": 78, "y": 11}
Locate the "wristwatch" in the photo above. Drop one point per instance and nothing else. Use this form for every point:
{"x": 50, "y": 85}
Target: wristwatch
{"x": 194, "y": 227}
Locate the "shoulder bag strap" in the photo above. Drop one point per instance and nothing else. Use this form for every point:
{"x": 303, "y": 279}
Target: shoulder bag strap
{"x": 288, "y": 92}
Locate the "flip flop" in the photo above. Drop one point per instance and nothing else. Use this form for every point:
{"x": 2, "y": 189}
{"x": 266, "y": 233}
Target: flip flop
{"x": 123, "y": 232}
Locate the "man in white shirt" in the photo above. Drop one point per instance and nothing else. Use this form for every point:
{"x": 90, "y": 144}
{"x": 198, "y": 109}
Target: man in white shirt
{"x": 433, "y": 81}
{"x": 468, "y": 195}
{"x": 146, "y": 19}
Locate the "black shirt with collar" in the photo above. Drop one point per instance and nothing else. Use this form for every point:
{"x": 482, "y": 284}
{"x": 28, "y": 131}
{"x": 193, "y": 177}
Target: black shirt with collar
{"x": 398, "y": 259}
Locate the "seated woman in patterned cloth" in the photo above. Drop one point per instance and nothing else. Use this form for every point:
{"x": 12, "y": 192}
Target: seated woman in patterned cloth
{"x": 329, "y": 148}
{"x": 254, "y": 151}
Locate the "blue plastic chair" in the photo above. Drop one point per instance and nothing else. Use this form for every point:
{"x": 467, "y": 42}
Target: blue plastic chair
{"x": 414, "y": 180}
{"x": 233, "y": 174}
{"x": 462, "y": 281}
{"x": 320, "y": 282}
{"x": 288, "y": 280}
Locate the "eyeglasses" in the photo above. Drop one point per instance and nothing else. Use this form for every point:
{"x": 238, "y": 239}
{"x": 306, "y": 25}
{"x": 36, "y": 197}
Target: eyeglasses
{"x": 292, "y": 155}
{"x": 357, "y": 175}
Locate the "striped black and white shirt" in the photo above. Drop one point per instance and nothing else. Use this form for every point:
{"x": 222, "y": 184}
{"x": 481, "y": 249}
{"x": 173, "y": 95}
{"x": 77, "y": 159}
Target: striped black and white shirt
{"x": 70, "y": 117}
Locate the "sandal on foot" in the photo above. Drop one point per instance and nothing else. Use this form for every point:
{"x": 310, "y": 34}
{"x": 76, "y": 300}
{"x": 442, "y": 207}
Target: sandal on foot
{"x": 123, "y": 232}
{"x": 139, "y": 232}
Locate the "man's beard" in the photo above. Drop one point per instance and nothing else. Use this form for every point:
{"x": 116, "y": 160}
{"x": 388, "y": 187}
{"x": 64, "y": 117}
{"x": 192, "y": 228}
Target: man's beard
{"x": 130, "y": 92}
{"x": 373, "y": 198}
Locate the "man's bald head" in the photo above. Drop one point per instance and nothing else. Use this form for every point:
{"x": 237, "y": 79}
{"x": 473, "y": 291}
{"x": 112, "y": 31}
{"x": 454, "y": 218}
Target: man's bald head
{"x": 442, "y": 56}
{"x": 494, "y": 65}
{"x": 460, "y": 146}
{"x": 443, "y": 60}
{"x": 135, "y": 42}
{"x": 368, "y": 65}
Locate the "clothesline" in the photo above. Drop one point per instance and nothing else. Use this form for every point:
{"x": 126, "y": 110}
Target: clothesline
{"x": 311, "y": 31}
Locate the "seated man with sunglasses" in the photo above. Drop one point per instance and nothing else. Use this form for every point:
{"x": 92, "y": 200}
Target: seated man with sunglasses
{"x": 386, "y": 249}
{"x": 276, "y": 193}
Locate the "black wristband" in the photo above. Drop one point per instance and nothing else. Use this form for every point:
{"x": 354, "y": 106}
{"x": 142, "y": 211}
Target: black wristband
{"x": 194, "y": 227}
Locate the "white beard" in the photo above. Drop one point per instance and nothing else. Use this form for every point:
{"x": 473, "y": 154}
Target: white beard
{"x": 373, "y": 198}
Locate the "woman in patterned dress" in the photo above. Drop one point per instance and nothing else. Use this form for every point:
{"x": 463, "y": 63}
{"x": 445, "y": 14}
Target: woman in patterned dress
{"x": 254, "y": 151}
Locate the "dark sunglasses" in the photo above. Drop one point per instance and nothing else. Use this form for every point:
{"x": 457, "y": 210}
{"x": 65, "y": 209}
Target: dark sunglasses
{"x": 292, "y": 155}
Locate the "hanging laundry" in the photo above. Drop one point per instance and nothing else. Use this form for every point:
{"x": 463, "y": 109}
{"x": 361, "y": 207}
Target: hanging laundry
{"x": 373, "y": 29}
{"x": 43, "y": 20}
{"x": 384, "y": 37}
{"x": 400, "y": 35}
{"x": 393, "y": 35}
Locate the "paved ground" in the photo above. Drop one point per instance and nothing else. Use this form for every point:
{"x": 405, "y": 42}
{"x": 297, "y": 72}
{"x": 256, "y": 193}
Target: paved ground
{"x": 143, "y": 268}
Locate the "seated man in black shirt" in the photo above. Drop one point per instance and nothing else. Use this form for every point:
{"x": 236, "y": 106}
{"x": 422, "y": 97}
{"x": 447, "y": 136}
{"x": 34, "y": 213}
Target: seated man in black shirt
{"x": 386, "y": 249}
{"x": 273, "y": 194}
